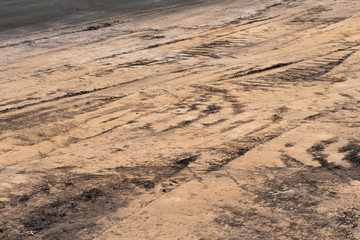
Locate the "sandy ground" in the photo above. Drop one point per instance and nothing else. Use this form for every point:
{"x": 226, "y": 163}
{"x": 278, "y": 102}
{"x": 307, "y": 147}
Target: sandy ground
{"x": 191, "y": 126}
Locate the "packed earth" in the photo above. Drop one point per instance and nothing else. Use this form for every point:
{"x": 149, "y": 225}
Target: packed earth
{"x": 196, "y": 124}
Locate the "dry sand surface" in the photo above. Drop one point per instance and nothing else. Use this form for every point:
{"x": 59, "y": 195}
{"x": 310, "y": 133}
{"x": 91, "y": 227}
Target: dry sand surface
{"x": 189, "y": 126}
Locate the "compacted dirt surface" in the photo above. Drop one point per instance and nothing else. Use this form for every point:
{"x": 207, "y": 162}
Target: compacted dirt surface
{"x": 185, "y": 123}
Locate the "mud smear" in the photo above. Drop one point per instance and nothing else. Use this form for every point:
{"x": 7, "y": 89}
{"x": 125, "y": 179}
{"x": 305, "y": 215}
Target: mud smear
{"x": 211, "y": 89}
{"x": 244, "y": 145}
{"x": 352, "y": 150}
{"x": 260, "y": 70}
{"x": 96, "y": 27}
{"x": 317, "y": 152}
{"x": 299, "y": 194}
{"x": 290, "y": 161}
{"x": 214, "y": 123}
{"x": 314, "y": 116}
{"x": 210, "y": 109}
{"x": 286, "y": 204}
{"x": 61, "y": 206}
{"x": 151, "y": 37}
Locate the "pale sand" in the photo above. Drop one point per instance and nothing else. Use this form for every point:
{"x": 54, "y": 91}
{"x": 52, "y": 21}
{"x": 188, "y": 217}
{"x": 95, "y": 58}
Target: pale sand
{"x": 187, "y": 127}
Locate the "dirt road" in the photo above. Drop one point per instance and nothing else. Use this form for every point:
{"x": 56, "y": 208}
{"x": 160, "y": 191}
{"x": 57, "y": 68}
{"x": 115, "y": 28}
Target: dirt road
{"x": 188, "y": 127}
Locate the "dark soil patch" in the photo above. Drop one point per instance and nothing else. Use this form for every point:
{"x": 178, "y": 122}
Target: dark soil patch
{"x": 260, "y": 70}
{"x": 75, "y": 202}
{"x": 352, "y": 151}
{"x": 317, "y": 152}
{"x": 214, "y": 123}
{"x": 314, "y": 116}
{"x": 151, "y": 37}
{"x": 276, "y": 118}
{"x": 288, "y": 145}
{"x": 238, "y": 108}
{"x": 212, "y": 109}
{"x": 96, "y": 27}
{"x": 286, "y": 206}
{"x": 211, "y": 89}
{"x": 290, "y": 161}
{"x": 183, "y": 163}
